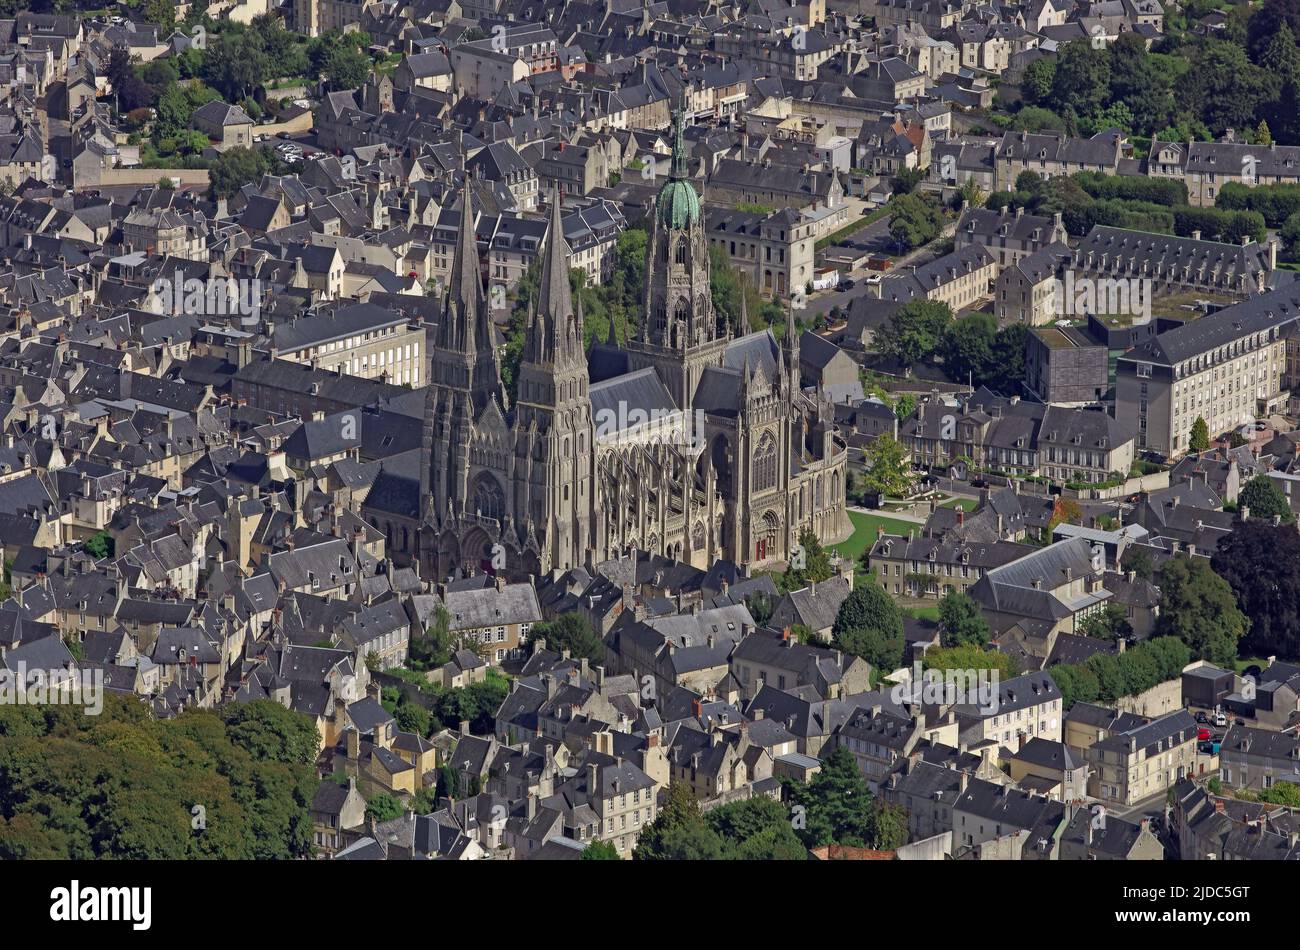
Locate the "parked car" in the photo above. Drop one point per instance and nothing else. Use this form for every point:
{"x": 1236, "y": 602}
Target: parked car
{"x": 1203, "y": 734}
{"x": 846, "y": 284}
{"x": 1220, "y": 719}
{"x": 1202, "y": 718}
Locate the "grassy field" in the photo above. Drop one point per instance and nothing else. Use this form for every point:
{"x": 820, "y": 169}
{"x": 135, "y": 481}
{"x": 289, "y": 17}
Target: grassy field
{"x": 967, "y": 504}
{"x": 864, "y": 532}
{"x": 923, "y": 613}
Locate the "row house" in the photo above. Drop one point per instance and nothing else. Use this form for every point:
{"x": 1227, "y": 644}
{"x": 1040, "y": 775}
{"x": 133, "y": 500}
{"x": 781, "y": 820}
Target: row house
{"x": 1205, "y": 167}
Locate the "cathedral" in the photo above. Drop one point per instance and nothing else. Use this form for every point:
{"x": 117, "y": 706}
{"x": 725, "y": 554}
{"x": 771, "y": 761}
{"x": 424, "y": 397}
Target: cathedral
{"x": 693, "y": 440}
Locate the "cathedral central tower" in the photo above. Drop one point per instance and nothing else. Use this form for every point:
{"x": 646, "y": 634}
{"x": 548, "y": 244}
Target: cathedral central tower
{"x": 679, "y": 334}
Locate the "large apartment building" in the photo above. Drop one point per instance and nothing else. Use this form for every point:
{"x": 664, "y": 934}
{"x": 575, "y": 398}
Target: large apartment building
{"x": 1166, "y": 264}
{"x": 317, "y": 17}
{"x": 774, "y": 250}
{"x": 1149, "y": 759}
{"x": 1008, "y": 235}
{"x": 1227, "y": 367}
{"x": 1207, "y": 166}
{"x": 960, "y": 279}
{"x": 1053, "y": 155}
{"x": 361, "y": 340}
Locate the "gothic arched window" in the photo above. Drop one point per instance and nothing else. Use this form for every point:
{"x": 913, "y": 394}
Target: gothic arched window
{"x": 765, "y": 463}
{"x": 489, "y": 501}
{"x": 680, "y": 256}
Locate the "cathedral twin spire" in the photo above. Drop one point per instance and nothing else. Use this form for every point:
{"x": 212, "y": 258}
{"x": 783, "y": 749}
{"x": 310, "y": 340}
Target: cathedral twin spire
{"x": 554, "y": 333}
{"x": 466, "y": 324}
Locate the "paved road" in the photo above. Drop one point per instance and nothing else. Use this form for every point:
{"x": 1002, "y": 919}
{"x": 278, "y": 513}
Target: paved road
{"x": 873, "y": 238}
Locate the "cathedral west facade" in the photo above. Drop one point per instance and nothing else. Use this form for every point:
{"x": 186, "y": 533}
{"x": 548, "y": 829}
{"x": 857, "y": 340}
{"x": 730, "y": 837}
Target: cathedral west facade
{"x": 693, "y": 440}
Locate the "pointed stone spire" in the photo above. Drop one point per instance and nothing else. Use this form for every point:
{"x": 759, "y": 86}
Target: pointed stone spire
{"x": 465, "y": 323}
{"x": 790, "y": 346}
{"x": 556, "y": 301}
{"x": 578, "y": 321}
{"x": 680, "y": 166}
{"x": 612, "y": 340}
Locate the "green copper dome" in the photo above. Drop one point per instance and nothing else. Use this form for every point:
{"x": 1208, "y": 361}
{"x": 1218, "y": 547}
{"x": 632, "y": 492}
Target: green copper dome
{"x": 678, "y": 206}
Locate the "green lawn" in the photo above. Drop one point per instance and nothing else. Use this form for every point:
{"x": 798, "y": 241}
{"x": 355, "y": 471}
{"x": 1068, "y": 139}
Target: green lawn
{"x": 967, "y": 504}
{"x": 923, "y": 613}
{"x": 1260, "y": 661}
{"x": 864, "y": 532}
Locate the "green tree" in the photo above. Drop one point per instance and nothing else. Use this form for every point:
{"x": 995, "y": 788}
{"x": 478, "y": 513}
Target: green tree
{"x": 122, "y": 784}
{"x": 760, "y": 608}
{"x": 870, "y": 625}
{"x": 1140, "y": 82}
{"x": 1109, "y": 623}
{"x": 347, "y": 69}
{"x": 906, "y": 180}
{"x": 99, "y": 545}
{"x": 1261, "y": 563}
{"x": 1039, "y": 76}
{"x": 970, "y": 657}
{"x": 599, "y": 851}
{"x": 680, "y": 810}
{"x": 889, "y": 473}
{"x": 1271, "y": 19}
{"x": 1223, "y": 87}
{"x": 572, "y": 632}
{"x": 967, "y": 347}
{"x": 414, "y": 718}
{"x": 1282, "y": 793}
{"x": 1008, "y": 367}
{"x": 880, "y": 648}
{"x": 971, "y": 193}
{"x": 234, "y": 168}
{"x": 1265, "y": 500}
{"x": 272, "y": 733}
{"x": 1081, "y": 82}
{"x": 1110, "y": 678}
{"x": 809, "y": 563}
{"x": 1198, "y": 607}
{"x": 960, "y": 621}
{"x": 757, "y": 829}
{"x": 435, "y": 648}
{"x": 1037, "y": 119}
{"x": 915, "y": 331}
{"x": 383, "y": 807}
{"x": 915, "y": 219}
{"x": 890, "y": 826}
{"x": 1139, "y": 562}
{"x": 835, "y": 807}
{"x": 1077, "y": 684}
{"x": 1199, "y": 438}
